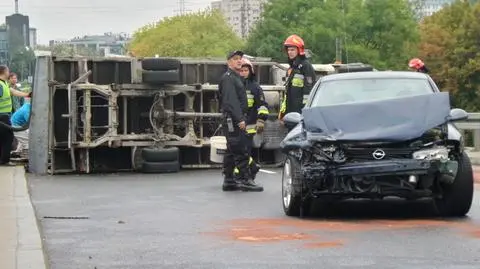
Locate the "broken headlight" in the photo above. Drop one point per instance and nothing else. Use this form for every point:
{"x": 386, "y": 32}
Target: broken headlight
{"x": 439, "y": 153}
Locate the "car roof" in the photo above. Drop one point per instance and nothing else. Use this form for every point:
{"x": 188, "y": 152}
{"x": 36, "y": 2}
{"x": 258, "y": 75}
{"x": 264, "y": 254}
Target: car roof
{"x": 376, "y": 74}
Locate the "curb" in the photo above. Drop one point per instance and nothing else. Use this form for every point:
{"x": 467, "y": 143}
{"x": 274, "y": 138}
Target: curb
{"x": 30, "y": 253}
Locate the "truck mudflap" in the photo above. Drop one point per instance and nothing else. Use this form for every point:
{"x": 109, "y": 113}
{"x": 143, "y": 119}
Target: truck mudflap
{"x": 382, "y": 168}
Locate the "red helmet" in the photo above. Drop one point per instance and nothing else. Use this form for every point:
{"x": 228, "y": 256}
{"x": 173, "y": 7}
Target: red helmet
{"x": 295, "y": 41}
{"x": 416, "y": 63}
{"x": 246, "y": 62}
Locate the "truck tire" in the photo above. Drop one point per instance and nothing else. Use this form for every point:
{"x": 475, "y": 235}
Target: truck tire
{"x": 160, "y": 64}
{"x": 292, "y": 184}
{"x": 137, "y": 158}
{"x": 457, "y": 197}
{"x": 157, "y": 155}
{"x": 161, "y": 77}
{"x": 160, "y": 167}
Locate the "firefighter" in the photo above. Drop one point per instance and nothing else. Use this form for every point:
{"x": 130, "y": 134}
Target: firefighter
{"x": 233, "y": 100}
{"x": 257, "y": 111}
{"x": 418, "y": 65}
{"x": 300, "y": 77}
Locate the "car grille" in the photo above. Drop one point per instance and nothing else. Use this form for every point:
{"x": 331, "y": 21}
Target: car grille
{"x": 357, "y": 153}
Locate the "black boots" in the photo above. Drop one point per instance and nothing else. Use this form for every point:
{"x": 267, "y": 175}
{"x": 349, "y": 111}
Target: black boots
{"x": 250, "y": 185}
{"x": 230, "y": 184}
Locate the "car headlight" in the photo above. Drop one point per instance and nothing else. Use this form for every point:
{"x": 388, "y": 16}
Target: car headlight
{"x": 431, "y": 154}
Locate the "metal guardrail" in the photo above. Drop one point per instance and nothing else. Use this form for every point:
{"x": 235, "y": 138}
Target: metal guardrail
{"x": 472, "y": 124}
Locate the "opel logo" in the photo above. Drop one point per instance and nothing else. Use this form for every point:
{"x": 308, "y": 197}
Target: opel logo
{"x": 378, "y": 154}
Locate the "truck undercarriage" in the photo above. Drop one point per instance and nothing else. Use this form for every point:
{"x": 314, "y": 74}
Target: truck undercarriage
{"x": 98, "y": 114}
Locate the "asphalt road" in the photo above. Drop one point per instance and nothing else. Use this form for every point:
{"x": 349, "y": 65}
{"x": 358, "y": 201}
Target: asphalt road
{"x": 185, "y": 221}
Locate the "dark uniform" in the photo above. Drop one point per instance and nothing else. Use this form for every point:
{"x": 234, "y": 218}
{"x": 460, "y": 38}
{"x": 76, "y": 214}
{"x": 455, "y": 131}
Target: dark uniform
{"x": 300, "y": 80}
{"x": 257, "y": 114}
{"x": 234, "y": 109}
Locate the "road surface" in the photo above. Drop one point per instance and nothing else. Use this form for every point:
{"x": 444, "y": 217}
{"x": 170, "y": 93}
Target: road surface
{"x": 185, "y": 221}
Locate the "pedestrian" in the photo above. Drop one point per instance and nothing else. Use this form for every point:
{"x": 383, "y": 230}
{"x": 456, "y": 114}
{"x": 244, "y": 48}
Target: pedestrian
{"x": 17, "y": 101}
{"x": 21, "y": 119}
{"x": 233, "y": 99}
{"x": 257, "y": 111}
{"x": 418, "y": 65}
{"x": 300, "y": 77}
{"x": 6, "y": 134}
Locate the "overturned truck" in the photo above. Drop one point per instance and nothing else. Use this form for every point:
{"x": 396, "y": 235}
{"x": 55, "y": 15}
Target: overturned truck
{"x": 152, "y": 114}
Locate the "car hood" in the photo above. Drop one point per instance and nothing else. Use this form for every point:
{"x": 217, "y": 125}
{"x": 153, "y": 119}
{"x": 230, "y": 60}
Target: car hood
{"x": 397, "y": 119}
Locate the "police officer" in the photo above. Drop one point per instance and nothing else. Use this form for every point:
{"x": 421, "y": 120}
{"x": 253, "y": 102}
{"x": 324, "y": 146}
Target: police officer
{"x": 6, "y": 134}
{"x": 233, "y": 100}
{"x": 300, "y": 77}
{"x": 257, "y": 111}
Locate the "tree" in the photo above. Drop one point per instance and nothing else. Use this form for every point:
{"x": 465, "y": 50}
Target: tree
{"x": 450, "y": 47}
{"x": 199, "y": 34}
{"x": 21, "y": 62}
{"x": 379, "y": 32}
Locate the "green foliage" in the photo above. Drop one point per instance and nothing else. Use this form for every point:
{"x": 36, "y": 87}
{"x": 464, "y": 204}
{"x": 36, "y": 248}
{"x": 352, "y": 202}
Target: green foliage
{"x": 21, "y": 62}
{"x": 378, "y": 32}
{"x": 199, "y": 34}
{"x": 451, "y": 48}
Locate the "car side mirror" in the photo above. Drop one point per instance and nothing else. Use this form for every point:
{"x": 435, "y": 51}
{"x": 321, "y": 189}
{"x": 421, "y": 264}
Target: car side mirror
{"x": 292, "y": 119}
{"x": 457, "y": 114}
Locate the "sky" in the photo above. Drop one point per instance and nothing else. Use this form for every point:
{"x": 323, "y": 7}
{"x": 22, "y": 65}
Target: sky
{"x": 65, "y": 19}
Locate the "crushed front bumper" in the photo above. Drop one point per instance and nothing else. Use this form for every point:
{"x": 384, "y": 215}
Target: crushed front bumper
{"x": 385, "y": 168}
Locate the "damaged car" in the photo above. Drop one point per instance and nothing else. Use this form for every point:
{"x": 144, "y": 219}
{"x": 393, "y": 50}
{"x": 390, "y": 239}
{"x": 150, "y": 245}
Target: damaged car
{"x": 374, "y": 135}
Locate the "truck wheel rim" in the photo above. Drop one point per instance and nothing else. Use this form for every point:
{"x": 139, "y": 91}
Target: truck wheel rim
{"x": 287, "y": 184}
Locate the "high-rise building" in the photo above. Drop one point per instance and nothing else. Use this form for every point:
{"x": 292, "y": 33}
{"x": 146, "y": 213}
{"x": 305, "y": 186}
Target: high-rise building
{"x": 18, "y": 30}
{"x": 240, "y": 14}
{"x": 3, "y": 45}
{"x": 33, "y": 37}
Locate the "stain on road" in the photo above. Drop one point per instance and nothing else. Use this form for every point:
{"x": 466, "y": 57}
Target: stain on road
{"x": 317, "y": 231}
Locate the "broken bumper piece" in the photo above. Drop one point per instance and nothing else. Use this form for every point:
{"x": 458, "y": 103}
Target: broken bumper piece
{"x": 385, "y": 168}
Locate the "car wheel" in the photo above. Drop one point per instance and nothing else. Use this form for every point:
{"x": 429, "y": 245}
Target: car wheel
{"x": 292, "y": 184}
{"x": 457, "y": 197}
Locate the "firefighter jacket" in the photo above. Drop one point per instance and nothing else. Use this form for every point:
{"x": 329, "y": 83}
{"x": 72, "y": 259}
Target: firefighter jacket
{"x": 257, "y": 106}
{"x": 300, "y": 80}
{"x": 233, "y": 97}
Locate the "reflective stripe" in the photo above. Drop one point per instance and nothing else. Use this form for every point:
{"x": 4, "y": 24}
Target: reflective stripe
{"x": 6, "y": 99}
{"x": 250, "y": 100}
{"x": 251, "y": 129}
{"x": 283, "y": 106}
{"x": 300, "y": 76}
{"x": 237, "y": 171}
{"x": 305, "y": 98}
{"x": 262, "y": 110}
{"x": 298, "y": 80}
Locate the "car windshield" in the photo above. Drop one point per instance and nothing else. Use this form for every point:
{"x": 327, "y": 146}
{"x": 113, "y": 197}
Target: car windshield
{"x": 337, "y": 92}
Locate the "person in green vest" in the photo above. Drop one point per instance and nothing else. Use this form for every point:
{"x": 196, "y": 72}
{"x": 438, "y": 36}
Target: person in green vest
{"x": 6, "y": 134}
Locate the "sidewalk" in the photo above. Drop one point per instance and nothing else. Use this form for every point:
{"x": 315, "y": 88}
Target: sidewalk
{"x": 20, "y": 243}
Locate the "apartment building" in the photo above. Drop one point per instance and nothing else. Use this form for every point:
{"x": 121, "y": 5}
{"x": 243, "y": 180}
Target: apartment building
{"x": 108, "y": 43}
{"x": 240, "y": 14}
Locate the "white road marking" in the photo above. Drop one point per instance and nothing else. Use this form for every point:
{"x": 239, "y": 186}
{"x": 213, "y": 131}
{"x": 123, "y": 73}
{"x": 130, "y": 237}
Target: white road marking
{"x": 267, "y": 171}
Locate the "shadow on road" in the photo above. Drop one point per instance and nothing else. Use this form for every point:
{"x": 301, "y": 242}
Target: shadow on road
{"x": 393, "y": 209}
